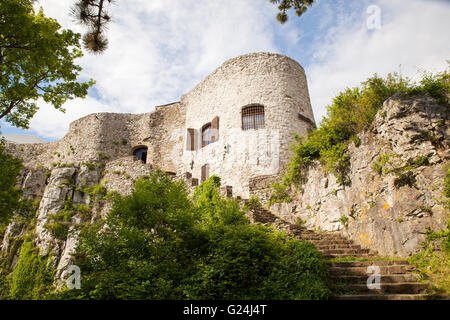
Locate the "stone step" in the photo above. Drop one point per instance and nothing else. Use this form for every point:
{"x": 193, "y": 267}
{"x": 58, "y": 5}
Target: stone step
{"x": 338, "y": 246}
{"x": 345, "y": 255}
{"x": 368, "y": 263}
{"x": 403, "y": 287}
{"x": 346, "y": 251}
{"x": 384, "y": 270}
{"x": 394, "y": 278}
{"x": 381, "y": 297}
{"x": 327, "y": 242}
{"x": 331, "y": 239}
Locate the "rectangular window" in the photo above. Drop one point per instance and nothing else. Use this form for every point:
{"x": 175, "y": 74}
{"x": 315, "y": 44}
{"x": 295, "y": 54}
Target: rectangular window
{"x": 206, "y": 135}
{"x": 253, "y": 117}
{"x": 205, "y": 172}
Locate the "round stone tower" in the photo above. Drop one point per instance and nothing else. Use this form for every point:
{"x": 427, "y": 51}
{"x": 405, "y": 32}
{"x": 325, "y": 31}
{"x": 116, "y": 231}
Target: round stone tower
{"x": 241, "y": 120}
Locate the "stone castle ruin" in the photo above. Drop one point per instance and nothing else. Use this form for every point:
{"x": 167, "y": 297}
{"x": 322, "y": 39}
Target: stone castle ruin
{"x": 238, "y": 124}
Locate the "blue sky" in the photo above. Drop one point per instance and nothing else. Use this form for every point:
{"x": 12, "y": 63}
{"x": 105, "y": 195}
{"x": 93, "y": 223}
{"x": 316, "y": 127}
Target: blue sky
{"x": 161, "y": 49}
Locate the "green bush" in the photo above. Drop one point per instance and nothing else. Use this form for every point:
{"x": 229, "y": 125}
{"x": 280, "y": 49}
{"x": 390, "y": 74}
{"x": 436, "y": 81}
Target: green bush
{"x": 32, "y": 277}
{"x": 350, "y": 112}
{"x": 434, "y": 265}
{"x": 447, "y": 183}
{"x": 60, "y": 222}
{"x": 159, "y": 244}
{"x": 9, "y": 195}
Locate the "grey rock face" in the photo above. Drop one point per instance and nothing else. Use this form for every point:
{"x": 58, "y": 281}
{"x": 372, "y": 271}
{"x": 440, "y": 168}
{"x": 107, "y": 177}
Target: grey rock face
{"x": 382, "y": 212}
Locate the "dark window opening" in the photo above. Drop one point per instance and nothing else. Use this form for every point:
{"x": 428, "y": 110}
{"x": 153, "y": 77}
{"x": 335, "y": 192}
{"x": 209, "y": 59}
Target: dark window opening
{"x": 253, "y": 117}
{"x": 206, "y": 135}
{"x": 205, "y": 172}
{"x": 141, "y": 154}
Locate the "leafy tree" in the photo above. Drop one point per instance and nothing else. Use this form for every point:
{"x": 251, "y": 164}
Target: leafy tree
{"x": 93, "y": 15}
{"x": 158, "y": 244}
{"x": 300, "y": 6}
{"x": 36, "y": 61}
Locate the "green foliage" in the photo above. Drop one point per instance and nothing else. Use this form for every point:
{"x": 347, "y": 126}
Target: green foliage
{"x": 434, "y": 265}
{"x": 98, "y": 191}
{"x": 404, "y": 177}
{"x": 447, "y": 184}
{"x": 280, "y": 193}
{"x": 352, "y": 111}
{"x": 36, "y": 61}
{"x": 252, "y": 203}
{"x": 436, "y": 85}
{"x": 32, "y": 277}
{"x": 379, "y": 166}
{"x": 344, "y": 220}
{"x": 9, "y": 195}
{"x": 90, "y": 165}
{"x": 300, "y": 221}
{"x": 300, "y": 6}
{"x": 159, "y": 244}
{"x": 93, "y": 15}
{"x": 124, "y": 142}
{"x": 60, "y": 222}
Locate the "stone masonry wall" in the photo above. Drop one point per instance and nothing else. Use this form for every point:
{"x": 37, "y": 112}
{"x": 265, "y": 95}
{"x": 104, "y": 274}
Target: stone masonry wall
{"x": 272, "y": 80}
{"x": 103, "y": 137}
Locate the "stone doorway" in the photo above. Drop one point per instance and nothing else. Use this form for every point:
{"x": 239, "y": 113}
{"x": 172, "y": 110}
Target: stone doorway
{"x": 141, "y": 153}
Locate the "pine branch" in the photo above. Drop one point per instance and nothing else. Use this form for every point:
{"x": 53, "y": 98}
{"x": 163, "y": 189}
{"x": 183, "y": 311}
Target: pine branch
{"x": 93, "y": 15}
{"x": 300, "y": 6}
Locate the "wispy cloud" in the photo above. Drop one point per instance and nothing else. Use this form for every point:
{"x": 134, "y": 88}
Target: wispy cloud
{"x": 413, "y": 38}
{"x": 161, "y": 49}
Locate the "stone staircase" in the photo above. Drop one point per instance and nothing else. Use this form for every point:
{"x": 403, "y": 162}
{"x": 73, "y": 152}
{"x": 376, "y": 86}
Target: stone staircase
{"x": 350, "y": 276}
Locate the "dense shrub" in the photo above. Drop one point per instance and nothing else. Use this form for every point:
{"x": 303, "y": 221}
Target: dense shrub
{"x": 9, "y": 195}
{"x": 32, "y": 277}
{"x": 159, "y": 244}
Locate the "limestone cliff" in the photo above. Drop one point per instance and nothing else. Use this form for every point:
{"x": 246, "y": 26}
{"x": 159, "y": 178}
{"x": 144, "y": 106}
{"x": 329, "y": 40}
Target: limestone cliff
{"x": 397, "y": 175}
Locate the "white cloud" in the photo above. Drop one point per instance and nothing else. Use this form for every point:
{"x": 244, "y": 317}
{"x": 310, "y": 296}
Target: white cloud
{"x": 159, "y": 50}
{"x": 413, "y": 35}
{"x": 52, "y": 123}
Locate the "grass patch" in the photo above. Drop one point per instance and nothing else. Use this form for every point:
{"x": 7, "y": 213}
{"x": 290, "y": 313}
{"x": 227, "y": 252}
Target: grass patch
{"x": 433, "y": 265}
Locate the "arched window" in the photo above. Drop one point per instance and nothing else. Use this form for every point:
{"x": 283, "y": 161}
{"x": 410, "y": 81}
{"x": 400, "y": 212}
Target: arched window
{"x": 141, "y": 153}
{"x": 206, "y": 134}
{"x": 253, "y": 117}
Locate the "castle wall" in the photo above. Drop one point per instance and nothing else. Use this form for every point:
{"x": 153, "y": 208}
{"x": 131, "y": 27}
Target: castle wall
{"x": 104, "y": 137}
{"x": 274, "y": 81}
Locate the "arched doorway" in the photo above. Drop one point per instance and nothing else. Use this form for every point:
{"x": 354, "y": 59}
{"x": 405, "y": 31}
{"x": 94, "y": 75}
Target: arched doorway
{"x": 141, "y": 153}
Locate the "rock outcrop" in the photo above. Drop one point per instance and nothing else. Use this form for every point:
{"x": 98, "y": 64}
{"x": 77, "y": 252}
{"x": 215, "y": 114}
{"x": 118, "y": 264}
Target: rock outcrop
{"x": 397, "y": 175}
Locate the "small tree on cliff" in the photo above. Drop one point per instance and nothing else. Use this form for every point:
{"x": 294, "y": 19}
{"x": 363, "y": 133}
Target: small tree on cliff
{"x": 36, "y": 61}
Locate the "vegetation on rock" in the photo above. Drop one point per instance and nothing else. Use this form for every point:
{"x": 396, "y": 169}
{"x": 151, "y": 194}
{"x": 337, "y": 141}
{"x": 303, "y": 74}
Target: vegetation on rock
{"x": 351, "y": 112}
{"x": 33, "y": 276}
{"x": 156, "y": 243}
